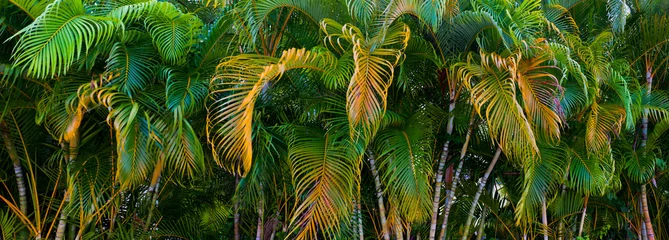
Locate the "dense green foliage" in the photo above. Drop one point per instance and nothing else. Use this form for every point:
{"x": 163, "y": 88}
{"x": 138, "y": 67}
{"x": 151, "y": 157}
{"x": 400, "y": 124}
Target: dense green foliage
{"x": 338, "y": 119}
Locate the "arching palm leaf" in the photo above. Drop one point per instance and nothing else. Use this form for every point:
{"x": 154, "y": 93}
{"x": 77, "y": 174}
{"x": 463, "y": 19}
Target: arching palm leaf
{"x": 240, "y": 81}
{"x": 323, "y": 174}
{"x": 59, "y": 36}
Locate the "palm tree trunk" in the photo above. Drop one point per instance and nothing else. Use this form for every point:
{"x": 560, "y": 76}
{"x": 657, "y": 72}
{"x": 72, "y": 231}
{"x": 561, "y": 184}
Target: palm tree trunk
{"x": 450, "y": 195}
{"x": 358, "y": 215}
{"x": 479, "y": 232}
{"x": 646, "y": 214}
{"x": 260, "y": 225}
{"x": 482, "y": 184}
{"x": 236, "y": 221}
{"x": 564, "y": 190}
{"x": 544, "y": 217}
{"x": 644, "y": 138}
{"x": 153, "y": 191}
{"x": 585, "y": 210}
{"x": 71, "y": 149}
{"x": 440, "y": 169}
{"x": 18, "y": 170}
{"x": 379, "y": 195}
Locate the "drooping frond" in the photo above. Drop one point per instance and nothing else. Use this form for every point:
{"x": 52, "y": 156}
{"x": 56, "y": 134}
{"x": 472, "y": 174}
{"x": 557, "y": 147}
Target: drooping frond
{"x": 603, "y": 123}
{"x": 373, "y": 74}
{"x": 323, "y": 174}
{"x": 239, "y": 82}
{"x": 173, "y": 34}
{"x": 538, "y": 88}
{"x": 131, "y": 67}
{"x": 540, "y": 179}
{"x": 58, "y": 37}
{"x": 405, "y": 155}
{"x": 459, "y": 34}
{"x": 185, "y": 92}
{"x": 493, "y": 94}
{"x": 618, "y": 11}
{"x": 32, "y": 8}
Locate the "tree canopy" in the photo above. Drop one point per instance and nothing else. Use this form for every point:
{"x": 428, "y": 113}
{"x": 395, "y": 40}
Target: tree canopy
{"x": 334, "y": 119}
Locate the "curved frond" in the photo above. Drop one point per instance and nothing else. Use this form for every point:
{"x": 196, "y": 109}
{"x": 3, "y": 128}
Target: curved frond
{"x": 173, "y": 34}
{"x": 323, "y": 167}
{"x": 239, "y": 82}
{"x": 58, "y": 37}
{"x": 405, "y": 155}
{"x": 131, "y": 67}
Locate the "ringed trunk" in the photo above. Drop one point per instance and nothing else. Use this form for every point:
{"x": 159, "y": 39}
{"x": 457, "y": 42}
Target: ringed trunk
{"x": 379, "y": 195}
{"x": 440, "y": 169}
{"x": 450, "y": 195}
{"x": 482, "y": 184}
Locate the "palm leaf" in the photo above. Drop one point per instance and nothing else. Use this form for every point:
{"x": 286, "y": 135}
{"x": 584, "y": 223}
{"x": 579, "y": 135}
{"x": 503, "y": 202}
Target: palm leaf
{"x": 59, "y": 36}
{"x": 235, "y": 89}
{"x": 131, "y": 67}
{"x": 323, "y": 173}
{"x": 173, "y": 34}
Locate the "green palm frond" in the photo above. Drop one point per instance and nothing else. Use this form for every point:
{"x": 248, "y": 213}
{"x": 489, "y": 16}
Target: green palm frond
{"x": 323, "y": 173}
{"x": 586, "y": 174}
{"x": 460, "y": 34}
{"x": 173, "y": 34}
{"x": 216, "y": 44}
{"x": 131, "y": 67}
{"x": 128, "y": 11}
{"x": 618, "y": 11}
{"x": 185, "y": 93}
{"x": 30, "y": 7}
{"x": 639, "y": 165}
{"x": 59, "y": 36}
{"x": 541, "y": 177}
{"x": 405, "y": 155}
{"x": 255, "y": 13}
{"x": 183, "y": 150}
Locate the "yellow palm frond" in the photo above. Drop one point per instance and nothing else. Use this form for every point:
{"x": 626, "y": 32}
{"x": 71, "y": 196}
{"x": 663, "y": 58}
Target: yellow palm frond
{"x": 234, "y": 89}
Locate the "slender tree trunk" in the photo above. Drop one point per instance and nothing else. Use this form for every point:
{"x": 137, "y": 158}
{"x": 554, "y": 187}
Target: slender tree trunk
{"x": 482, "y": 184}
{"x": 480, "y": 231}
{"x": 62, "y": 222}
{"x": 18, "y": 170}
{"x": 544, "y": 217}
{"x": 564, "y": 190}
{"x": 379, "y": 195}
{"x": 358, "y": 215}
{"x": 153, "y": 192}
{"x": 71, "y": 149}
{"x": 450, "y": 195}
{"x": 585, "y": 210}
{"x": 236, "y": 221}
{"x": 260, "y": 226}
{"x": 440, "y": 169}
{"x": 646, "y": 214}
{"x": 644, "y": 138}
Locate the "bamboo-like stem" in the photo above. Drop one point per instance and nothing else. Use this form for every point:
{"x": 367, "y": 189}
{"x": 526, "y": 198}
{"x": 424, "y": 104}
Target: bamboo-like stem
{"x": 475, "y": 200}
{"x": 379, "y": 195}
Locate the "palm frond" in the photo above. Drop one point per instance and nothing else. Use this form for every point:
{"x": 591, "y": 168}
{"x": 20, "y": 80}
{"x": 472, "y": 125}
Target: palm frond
{"x": 405, "y": 155}
{"x": 59, "y": 36}
{"x": 131, "y": 67}
{"x": 323, "y": 173}
{"x": 173, "y": 34}
{"x": 239, "y": 82}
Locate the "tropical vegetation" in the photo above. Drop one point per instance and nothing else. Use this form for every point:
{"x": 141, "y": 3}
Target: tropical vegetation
{"x": 334, "y": 119}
